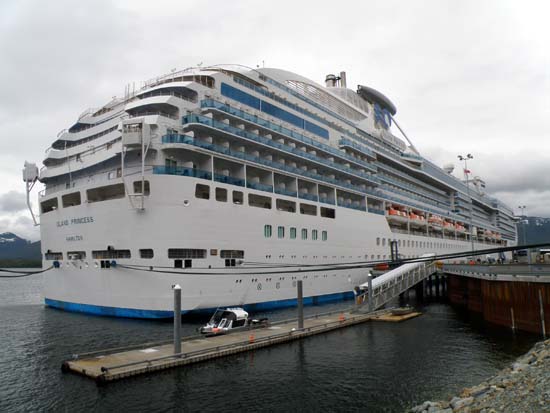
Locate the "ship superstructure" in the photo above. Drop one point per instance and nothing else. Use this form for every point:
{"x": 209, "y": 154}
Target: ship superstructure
{"x": 237, "y": 182}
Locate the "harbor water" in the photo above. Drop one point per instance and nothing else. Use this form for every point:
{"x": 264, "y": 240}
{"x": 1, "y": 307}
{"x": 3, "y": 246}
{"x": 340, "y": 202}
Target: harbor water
{"x": 375, "y": 367}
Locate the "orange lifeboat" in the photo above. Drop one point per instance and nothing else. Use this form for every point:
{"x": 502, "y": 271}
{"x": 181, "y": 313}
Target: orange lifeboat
{"x": 397, "y": 216}
{"x": 448, "y": 226}
{"x": 436, "y": 222}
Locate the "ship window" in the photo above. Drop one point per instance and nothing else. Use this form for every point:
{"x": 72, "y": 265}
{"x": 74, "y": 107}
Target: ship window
{"x": 221, "y": 194}
{"x": 76, "y": 255}
{"x": 324, "y": 235}
{"x": 106, "y": 193}
{"x": 70, "y": 200}
{"x": 314, "y": 235}
{"x": 378, "y": 241}
{"x": 138, "y": 189}
{"x": 146, "y": 253}
{"x": 304, "y": 233}
{"x": 281, "y": 232}
{"x": 259, "y": 201}
{"x": 53, "y": 255}
{"x": 383, "y": 242}
{"x": 238, "y": 197}
{"x": 202, "y": 191}
{"x": 49, "y": 205}
{"x": 110, "y": 253}
{"x": 187, "y": 253}
{"x": 328, "y": 212}
{"x": 267, "y": 231}
{"x": 231, "y": 254}
{"x": 292, "y": 232}
{"x": 308, "y": 209}
{"x": 284, "y": 205}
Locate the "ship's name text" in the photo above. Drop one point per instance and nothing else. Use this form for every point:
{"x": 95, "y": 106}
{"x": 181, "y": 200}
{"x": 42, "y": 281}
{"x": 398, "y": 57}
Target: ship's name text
{"x": 75, "y": 221}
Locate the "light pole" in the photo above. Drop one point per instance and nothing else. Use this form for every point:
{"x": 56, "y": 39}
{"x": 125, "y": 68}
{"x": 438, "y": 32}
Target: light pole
{"x": 471, "y": 207}
{"x": 522, "y": 208}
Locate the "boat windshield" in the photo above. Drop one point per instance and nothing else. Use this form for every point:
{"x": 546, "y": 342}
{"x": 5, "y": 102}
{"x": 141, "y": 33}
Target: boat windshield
{"x": 217, "y": 317}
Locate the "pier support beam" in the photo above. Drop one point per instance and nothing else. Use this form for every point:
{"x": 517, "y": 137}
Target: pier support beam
{"x": 370, "y": 303}
{"x": 177, "y": 319}
{"x": 541, "y": 305}
{"x": 300, "y": 288}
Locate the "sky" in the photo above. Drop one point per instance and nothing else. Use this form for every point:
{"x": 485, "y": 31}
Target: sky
{"x": 466, "y": 76}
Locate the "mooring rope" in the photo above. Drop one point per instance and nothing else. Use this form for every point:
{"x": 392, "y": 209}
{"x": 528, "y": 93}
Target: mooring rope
{"x": 22, "y": 273}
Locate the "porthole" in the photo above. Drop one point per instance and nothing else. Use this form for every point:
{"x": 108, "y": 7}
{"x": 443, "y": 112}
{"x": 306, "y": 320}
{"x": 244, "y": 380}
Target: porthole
{"x": 186, "y": 203}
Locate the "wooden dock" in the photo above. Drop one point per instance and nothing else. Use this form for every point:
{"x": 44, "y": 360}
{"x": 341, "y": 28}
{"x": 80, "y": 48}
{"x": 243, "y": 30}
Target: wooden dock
{"x": 117, "y": 364}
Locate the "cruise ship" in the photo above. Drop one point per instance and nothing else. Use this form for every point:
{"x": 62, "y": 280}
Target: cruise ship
{"x": 235, "y": 183}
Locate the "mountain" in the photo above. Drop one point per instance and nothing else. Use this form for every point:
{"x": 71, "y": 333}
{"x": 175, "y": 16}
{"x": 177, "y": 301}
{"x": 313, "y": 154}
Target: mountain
{"x": 533, "y": 230}
{"x": 13, "y": 247}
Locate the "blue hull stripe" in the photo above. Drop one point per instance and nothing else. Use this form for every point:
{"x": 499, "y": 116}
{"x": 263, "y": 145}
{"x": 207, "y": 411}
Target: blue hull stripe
{"x": 137, "y": 313}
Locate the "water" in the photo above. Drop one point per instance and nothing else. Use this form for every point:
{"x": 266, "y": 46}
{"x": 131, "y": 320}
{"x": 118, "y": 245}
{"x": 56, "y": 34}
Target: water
{"x": 379, "y": 367}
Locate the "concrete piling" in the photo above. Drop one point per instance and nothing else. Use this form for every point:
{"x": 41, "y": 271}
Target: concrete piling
{"x": 177, "y": 319}
{"x": 541, "y": 305}
{"x": 300, "y": 292}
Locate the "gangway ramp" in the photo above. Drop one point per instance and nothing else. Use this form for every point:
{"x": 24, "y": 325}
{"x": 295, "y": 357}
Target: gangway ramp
{"x": 394, "y": 282}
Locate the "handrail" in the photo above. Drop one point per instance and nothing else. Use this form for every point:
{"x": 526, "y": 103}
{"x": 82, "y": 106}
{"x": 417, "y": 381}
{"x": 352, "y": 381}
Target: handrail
{"x": 163, "y": 92}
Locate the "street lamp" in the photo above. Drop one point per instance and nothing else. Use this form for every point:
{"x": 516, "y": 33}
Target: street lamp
{"x": 466, "y": 173}
{"x": 522, "y": 208}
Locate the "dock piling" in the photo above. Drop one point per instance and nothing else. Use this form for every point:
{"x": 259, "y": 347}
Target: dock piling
{"x": 542, "y": 315}
{"x": 177, "y": 319}
{"x": 300, "y": 292}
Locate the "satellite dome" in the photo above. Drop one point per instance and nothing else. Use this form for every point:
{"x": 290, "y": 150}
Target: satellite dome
{"x": 449, "y": 168}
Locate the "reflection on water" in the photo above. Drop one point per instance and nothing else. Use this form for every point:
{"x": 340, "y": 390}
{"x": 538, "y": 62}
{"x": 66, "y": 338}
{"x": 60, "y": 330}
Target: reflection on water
{"x": 376, "y": 366}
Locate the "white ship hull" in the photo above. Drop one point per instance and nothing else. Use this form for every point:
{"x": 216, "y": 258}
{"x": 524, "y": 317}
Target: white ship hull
{"x": 82, "y": 285}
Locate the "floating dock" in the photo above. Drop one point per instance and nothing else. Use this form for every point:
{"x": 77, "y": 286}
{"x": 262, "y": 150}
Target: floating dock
{"x": 117, "y": 364}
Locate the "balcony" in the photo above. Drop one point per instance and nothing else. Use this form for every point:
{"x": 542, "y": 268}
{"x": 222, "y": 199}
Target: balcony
{"x": 209, "y": 103}
{"x": 228, "y": 180}
{"x": 259, "y": 186}
{"x": 181, "y": 171}
{"x": 344, "y": 142}
{"x": 203, "y": 120}
{"x": 327, "y": 201}
{"x": 256, "y": 159}
{"x": 286, "y": 192}
{"x": 310, "y": 197}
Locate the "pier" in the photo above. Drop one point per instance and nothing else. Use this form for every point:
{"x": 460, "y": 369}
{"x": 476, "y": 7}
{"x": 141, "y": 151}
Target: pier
{"x": 107, "y": 366}
{"x": 511, "y": 295}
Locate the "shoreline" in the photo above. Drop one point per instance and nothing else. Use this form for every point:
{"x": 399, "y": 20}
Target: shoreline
{"x": 522, "y": 387}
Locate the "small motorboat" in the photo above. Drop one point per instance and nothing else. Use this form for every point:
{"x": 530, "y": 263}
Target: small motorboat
{"x": 225, "y": 320}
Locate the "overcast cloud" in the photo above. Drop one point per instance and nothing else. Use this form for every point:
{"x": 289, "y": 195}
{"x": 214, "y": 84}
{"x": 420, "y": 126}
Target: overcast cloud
{"x": 465, "y": 76}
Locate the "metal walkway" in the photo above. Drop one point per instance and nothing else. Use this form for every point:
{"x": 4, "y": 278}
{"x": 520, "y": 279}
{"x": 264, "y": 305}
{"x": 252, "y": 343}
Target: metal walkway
{"x": 388, "y": 286}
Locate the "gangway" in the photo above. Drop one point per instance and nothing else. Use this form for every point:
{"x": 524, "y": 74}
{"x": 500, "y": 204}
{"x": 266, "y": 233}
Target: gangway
{"x": 380, "y": 290}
